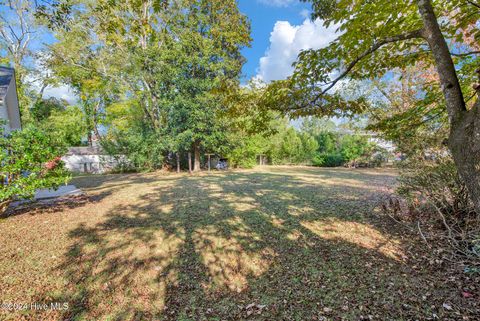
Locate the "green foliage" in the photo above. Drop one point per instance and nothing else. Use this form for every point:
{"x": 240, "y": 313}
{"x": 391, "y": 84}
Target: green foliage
{"x": 316, "y": 126}
{"x": 43, "y": 108}
{"x": 370, "y": 45}
{"x": 30, "y": 160}
{"x": 354, "y": 146}
{"x": 309, "y": 146}
{"x": 246, "y": 150}
{"x": 284, "y": 144}
{"x": 328, "y": 142}
{"x": 154, "y": 70}
{"x": 337, "y": 149}
{"x": 328, "y": 160}
{"x": 249, "y": 128}
{"x": 163, "y": 78}
{"x": 67, "y": 125}
{"x": 144, "y": 148}
{"x": 291, "y": 147}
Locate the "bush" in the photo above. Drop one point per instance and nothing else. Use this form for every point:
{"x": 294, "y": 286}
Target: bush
{"x": 30, "y": 159}
{"x": 435, "y": 183}
{"x": 354, "y": 147}
{"x": 244, "y": 150}
{"x": 143, "y": 148}
{"x": 435, "y": 193}
{"x": 328, "y": 160}
{"x": 379, "y": 157}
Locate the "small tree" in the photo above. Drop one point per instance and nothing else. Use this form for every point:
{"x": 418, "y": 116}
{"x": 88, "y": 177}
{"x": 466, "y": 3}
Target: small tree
{"x": 355, "y": 146}
{"x": 29, "y": 160}
{"x": 310, "y": 147}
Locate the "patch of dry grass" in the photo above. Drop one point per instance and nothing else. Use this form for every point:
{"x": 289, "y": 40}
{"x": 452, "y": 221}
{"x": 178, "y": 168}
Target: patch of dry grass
{"x": 275, "y": 243}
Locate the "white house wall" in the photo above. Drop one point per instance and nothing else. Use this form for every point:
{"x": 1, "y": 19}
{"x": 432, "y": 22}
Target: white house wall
{"x": 96, "y": 164}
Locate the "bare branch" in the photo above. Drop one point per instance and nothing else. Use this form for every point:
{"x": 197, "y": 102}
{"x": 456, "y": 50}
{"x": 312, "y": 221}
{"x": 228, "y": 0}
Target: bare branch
{"x": 466, "y": 54}
{"x": 421, "y": 234}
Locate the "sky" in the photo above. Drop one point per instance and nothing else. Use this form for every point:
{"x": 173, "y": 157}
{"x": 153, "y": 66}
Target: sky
{"x": 280, "y": 30}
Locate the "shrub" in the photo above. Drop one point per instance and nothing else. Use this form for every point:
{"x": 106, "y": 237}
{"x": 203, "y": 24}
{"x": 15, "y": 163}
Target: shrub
{"x": 328, "y": 160}
{"x": 434, "y": 192}
{"x": 379, "y": 157}
{"x": 30, "y": 159}
{"x": 435, "y": 183}
{"x": 355, "y": 146}
{"x": 244, "y": 149}
{"x": 143, "y": 148}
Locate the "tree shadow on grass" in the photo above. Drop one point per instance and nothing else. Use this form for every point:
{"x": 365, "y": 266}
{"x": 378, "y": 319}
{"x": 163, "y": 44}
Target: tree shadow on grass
{"x": 54, "y": 205}
{"x": 99, "y": 188}
{"x": 247, "y": 245}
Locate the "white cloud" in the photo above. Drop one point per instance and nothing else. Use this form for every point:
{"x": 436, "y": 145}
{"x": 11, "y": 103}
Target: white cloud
{"x": 61, "y": 92}
{"x": 286, "y": 42}
{"x": 277, "y": 3}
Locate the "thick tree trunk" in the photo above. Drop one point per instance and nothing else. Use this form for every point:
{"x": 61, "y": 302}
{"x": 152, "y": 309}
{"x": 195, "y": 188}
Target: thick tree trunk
{"x": 178, "y": 162}
{"x": 189, "y": 162}
{"x": 196, "y": 150}
{"x": 89, "y": 139}
{"x": 464, "y": 143}
{"x": 464, "y": 139}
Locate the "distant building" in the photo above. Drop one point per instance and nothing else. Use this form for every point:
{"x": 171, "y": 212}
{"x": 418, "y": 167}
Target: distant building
{"x": 387, "y": 145}
{"x": 9, "y": 111}
{"x": 91, "y": 159}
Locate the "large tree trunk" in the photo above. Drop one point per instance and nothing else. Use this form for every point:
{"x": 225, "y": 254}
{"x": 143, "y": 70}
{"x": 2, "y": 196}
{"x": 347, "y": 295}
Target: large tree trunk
{"x": 196, "y": 150}
{"x": 464, "y": 139}
{"x": 178, "y": 162}
{"x": 189, "y": 162}
{"x": 464, "y": 143}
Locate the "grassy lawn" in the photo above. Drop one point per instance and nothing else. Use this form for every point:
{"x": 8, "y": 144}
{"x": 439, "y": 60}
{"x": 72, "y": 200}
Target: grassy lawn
{"x": 277, "y": 243}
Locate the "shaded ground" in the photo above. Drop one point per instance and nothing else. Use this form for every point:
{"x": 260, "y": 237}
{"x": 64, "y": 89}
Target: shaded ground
{"x": 277, "y": 243}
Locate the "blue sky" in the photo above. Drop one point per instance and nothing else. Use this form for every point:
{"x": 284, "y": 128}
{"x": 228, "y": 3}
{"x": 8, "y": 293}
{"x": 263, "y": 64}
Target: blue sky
{"x": 263, "y": 15}
{"x": 280, "y": 29}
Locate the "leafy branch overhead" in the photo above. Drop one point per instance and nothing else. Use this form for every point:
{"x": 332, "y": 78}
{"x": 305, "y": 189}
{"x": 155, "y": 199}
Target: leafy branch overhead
{"x": 376, "y": 37}
{"x": 379, "y": 37}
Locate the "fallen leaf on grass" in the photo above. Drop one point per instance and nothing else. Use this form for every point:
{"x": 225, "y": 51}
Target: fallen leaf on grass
{"x": 467, "y": 294}
{"x": 327, "y": 310}
{"x": 447, "y": 306}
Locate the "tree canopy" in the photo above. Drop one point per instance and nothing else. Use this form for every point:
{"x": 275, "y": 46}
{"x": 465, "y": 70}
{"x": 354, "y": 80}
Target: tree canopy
{"x": 377, "y": 37}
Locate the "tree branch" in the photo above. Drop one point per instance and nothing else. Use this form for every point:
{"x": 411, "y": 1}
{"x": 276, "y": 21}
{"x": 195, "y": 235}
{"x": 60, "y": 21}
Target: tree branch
{"x": 385, "y": 94}
{"x": 377, "y": 45}
{"x": 466, "y": 54}
{"x": 460, "y": 54}
{"x": 473, "y": 4}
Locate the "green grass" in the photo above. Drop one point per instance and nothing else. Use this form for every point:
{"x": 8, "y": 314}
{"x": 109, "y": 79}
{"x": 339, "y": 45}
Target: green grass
{"x": 274, "y": 243}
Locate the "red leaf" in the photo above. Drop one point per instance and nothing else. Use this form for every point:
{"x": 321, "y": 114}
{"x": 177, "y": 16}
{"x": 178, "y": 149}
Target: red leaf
{"x": 467, "y": 294}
